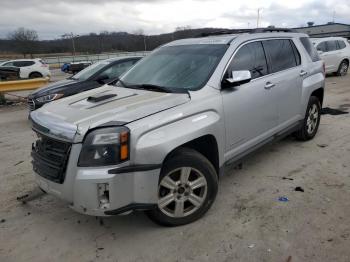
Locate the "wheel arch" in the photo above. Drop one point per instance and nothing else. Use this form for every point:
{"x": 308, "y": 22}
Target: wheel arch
{"x": 35, "y": 72}
{"x": 206, "y": 145}
{"x": 319, "y": 93}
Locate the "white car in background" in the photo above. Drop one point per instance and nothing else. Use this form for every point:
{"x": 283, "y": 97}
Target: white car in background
{"x": 30, "y": 68}
{"x": 335, "y": 52}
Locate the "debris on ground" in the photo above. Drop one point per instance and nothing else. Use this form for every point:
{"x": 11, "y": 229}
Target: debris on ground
{"x": 251, "y": 246}
{"x": 2, "y": 220}
{"x": 283, "y": 199}
{"x": 322, "y": 145}
{"x": 22, "y": 198}
{"x": 299, "y": 189}
{"x": 287, "y": 178}
{"x": 289, "y": 259}
{"x": 332, "y": 111}
{"x": 30, "y": 196}
{"x": 19, "y": 162}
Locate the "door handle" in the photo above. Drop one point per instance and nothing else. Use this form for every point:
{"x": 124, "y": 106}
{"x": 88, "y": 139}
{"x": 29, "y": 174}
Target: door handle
{"x": 269, "y": 85}
{"x": 303, "y": 73}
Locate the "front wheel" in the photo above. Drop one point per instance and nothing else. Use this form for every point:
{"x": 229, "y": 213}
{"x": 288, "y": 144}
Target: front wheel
{"x": 311, "y": 121}
{"x": 187, "y": 187}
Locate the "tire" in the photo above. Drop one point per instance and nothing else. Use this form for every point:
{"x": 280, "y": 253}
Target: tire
{"x": 343, "y": 68}
{"x": 35, "y": 75}
{"x": 311, "y": 120}
{"x": 187, "y": 180}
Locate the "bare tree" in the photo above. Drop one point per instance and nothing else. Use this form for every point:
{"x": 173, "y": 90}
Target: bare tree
{"x": 25, "y": 40}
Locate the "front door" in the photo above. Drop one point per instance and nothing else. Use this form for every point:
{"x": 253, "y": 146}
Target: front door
{"x": 250, "y": 110}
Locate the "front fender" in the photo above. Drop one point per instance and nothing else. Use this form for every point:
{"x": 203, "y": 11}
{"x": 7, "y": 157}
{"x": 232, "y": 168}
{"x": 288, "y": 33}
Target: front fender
{"x": 153, "y": 146}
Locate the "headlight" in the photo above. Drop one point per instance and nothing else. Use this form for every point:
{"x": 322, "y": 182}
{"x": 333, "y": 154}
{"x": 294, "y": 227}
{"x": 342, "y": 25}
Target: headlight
{"x": 48, "y": 98}
{"x": 104, "y": 147}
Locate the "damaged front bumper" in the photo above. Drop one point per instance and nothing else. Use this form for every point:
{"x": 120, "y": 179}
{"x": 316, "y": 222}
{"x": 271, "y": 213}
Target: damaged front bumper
{"x": 100, "y": 192}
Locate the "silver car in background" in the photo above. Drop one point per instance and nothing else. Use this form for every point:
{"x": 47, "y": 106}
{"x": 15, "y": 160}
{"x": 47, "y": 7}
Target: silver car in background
{"x": 158, "y": 138}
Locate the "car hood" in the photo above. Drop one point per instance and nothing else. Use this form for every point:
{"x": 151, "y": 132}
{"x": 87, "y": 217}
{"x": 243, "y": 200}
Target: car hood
{"x": 53, "y": 88}
{"x": 70, "y": 118}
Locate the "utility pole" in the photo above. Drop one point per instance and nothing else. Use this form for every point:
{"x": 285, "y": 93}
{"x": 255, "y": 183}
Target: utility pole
{"x": 333, "y": 16}
{"x": 144, "y": 42}
{"x": 258, "y": 18}
{"x": 71, "y": 36}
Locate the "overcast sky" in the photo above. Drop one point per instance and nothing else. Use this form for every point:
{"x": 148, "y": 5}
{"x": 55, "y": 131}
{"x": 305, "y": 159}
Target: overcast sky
{"x": 52, "y": 18}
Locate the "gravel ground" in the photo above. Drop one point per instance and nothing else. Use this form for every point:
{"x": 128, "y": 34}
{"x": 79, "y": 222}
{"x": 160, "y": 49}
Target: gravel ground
{"x": 246, "y": 222}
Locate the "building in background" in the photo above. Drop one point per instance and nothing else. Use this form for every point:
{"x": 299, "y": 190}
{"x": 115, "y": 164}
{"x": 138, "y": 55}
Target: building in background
{"x": 326, "y": 30}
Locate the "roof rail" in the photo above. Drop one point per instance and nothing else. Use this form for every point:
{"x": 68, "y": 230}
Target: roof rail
{"x": 273, "y": 29}
{"x": 251, "y": 31}
{"x": 226, "y": 32}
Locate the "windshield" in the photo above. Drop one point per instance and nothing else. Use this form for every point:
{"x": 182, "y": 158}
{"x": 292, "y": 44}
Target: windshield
{"x": 89, "y": 71}
{"x": 186, "y": 67}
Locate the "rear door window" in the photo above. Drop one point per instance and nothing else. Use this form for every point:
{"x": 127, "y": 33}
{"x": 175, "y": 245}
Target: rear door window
{"x": 331, "y": 46}
{"x": 249, "y": 57}
{"x": 279, "y": 54}
{"x": 310, "y": 49}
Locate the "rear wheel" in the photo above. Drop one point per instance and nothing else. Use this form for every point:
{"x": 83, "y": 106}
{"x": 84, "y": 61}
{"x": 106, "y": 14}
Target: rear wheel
{"x": 187, "y": 188}
{"x": 343, "y": 68}
{"x": 35, "y": 75}
{"x": 311, "y": 121}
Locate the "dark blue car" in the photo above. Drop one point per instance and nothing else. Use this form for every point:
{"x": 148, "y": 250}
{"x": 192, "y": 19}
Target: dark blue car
{"x": 91, "y": 77}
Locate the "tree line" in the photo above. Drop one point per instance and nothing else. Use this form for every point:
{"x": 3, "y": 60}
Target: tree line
{"x": 26, "y": 41}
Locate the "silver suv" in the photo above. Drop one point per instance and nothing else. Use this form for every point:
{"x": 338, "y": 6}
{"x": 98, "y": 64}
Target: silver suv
{"x": 158, "y": 138}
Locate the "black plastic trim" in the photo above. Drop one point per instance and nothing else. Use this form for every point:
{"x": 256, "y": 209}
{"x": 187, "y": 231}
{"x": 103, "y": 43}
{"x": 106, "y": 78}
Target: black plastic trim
{"x": 135, "y": 168}
{"x": 130, "y": 207}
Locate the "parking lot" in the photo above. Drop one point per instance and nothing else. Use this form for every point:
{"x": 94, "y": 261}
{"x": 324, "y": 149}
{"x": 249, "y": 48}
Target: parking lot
{"x": 246, "y": 223}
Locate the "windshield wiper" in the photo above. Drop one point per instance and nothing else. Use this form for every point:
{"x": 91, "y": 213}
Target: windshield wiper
{"x": 151, "y": 87}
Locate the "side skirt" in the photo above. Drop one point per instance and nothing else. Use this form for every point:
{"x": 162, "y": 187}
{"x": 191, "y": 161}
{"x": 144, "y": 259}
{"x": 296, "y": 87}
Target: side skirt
{"x": 236, "y": 160}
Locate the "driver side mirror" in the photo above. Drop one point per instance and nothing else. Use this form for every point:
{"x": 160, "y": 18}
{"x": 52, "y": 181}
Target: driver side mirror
{"x": 238, "y": 78}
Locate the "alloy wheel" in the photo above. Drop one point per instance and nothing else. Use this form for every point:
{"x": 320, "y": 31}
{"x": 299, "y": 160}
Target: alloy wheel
{"x": 312, "y": 120}
{"x": 181, "y": 192}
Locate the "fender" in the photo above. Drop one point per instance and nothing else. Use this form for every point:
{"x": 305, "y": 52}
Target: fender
{"x": 154, "y": 145}
{"x": 310, "y": 84}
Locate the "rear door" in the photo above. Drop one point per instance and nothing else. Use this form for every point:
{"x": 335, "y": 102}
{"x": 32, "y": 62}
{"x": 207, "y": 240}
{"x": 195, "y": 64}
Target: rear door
{"x": 286, "y": 74}
{"x": 250, "y": 110}
{"x": 25, "y": 67}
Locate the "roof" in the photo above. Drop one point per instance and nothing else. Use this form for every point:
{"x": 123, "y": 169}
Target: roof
{"x": 227, "y": 39}
{"x": 221, "y": 39}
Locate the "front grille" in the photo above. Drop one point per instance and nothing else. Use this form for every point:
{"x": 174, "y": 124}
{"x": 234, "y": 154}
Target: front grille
{"x": 50, "y": 158}
{"x": 31, "y": 104}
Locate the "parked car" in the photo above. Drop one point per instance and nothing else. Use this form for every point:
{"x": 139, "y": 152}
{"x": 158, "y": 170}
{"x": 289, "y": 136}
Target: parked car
{"x": 75, "y": 67}
{"x": 9, "y": 73}
{"x": 159, "y": 138}
{"x": 91, "y": 77}
{"x": 30, "y": 68}
{"x": 335, "y": 52}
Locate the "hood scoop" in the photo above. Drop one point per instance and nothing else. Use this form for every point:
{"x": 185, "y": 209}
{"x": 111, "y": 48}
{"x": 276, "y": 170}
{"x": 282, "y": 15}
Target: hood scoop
{"x": 96, "y": 99}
